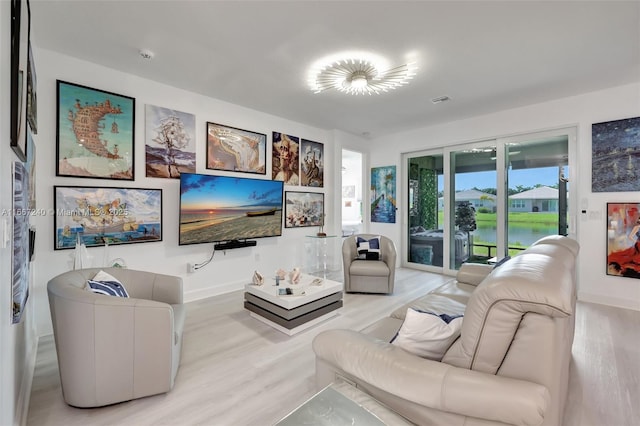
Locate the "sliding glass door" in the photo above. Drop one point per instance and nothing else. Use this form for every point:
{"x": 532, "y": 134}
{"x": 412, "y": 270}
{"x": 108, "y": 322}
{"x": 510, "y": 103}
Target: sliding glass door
{"x": 425, "y": 209}
{"x": 482, "y": 201}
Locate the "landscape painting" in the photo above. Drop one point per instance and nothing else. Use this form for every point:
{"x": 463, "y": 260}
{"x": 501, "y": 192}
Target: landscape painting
{"x": 20, "y": 249}
{"x": 95, "y": 133}
{"x": 312, "y": 163}
{"x": 623, "y": 239}
{"x": 383, "y": 194}
{"x": 615, "y": 158}
{"x": 170, "y": 142}
{"x": 235, "y": 150}
{"x": 284, "y": 158}
{"x": 111, "y": 215}
{"x": 303, "y": 209}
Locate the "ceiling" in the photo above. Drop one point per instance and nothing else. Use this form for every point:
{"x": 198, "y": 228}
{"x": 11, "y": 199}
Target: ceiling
{"x": 485, "y": 55}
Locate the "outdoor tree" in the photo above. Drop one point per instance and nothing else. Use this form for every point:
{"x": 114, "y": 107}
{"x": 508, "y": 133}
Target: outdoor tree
{"x": 465, "y": 220}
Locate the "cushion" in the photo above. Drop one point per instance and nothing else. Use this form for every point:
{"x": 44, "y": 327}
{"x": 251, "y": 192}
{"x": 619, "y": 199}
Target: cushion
{"x": 426, "y": 334}
{"x": 368, "y": 249}
{"x": 103, "y": 283}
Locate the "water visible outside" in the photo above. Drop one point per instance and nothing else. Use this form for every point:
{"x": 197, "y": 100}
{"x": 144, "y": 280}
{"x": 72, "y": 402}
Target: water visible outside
{"x": 518, "y": 234}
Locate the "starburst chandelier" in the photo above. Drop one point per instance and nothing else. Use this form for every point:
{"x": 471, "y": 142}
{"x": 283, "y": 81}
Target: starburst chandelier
{"x": 358, "y": 74}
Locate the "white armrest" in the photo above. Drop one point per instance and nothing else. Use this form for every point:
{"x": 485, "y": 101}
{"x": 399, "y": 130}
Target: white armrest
{"x": 433, "y": 384}
{"x": 473, "y": 273}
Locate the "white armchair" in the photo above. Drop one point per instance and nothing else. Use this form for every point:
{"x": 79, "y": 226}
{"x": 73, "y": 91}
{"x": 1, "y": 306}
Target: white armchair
{"x": 369, "y": 276}
{"x": 113, "y": 349}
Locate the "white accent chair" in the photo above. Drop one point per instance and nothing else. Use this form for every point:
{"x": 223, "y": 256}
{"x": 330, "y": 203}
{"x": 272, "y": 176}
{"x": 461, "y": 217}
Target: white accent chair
{"x": 369, "y": 276}
{"x": 113, "y": 349}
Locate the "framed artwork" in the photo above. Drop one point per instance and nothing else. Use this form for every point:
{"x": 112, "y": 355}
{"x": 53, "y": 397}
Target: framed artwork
{"x": 615, "y": 155}
{"x": 32, "y": 93}
{"x": 30, "y": 167}
{"x": 235, "y": 150}
{"x": 20, "y": 28}
{"x": 303, "y": 209}
{"x": 312, "y": 163}
{"x": 383, "y": 194}
{"x": 112, "y": 215}
{"x": 623, "y": 239}
{"x": 284, "y": 158}
{"x": 95, "y": 133}
{"x": 20, "y": 249}
{"x": 348, "y": 191}
{"x": 170, "y": 142}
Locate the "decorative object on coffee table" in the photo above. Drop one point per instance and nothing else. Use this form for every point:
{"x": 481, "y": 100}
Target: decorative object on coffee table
{"x": 294, "y": 276}
{"x": 258, "y": 279}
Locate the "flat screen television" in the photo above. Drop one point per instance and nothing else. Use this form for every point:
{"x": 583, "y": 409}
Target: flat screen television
{"x": 218, "y": 209}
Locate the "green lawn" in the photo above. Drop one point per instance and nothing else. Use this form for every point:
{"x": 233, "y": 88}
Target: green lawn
{"x": 514, "y": 217}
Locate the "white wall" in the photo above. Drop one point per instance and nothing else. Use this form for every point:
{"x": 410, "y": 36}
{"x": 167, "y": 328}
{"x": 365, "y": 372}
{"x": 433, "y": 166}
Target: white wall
{"x": 18, "y": 342}
{"x": 581, "y": 111}
{"x": 227, "y": 271}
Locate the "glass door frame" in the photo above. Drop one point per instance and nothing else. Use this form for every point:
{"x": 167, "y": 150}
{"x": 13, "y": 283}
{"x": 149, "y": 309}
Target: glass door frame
{"x": 501, "y": 187}
{"x": 405, "y": 238}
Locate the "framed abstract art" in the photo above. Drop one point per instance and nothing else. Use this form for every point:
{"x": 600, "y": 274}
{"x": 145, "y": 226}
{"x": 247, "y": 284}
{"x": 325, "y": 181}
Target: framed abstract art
{"x": 235, "y": 150}
{"x": 623, "y": 239}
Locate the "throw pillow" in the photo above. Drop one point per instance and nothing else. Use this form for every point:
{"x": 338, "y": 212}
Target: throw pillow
{"x": 368, "y": 249}
{"x": 103, "y": 283}
{"x": 426, "y": 334}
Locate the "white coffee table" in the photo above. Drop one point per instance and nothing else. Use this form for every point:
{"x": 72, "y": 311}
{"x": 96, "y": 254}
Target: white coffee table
{"x": 308, "y": 305}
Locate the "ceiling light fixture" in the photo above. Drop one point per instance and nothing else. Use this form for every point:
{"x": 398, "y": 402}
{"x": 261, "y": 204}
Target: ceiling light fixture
{"x": 358, "y": 74}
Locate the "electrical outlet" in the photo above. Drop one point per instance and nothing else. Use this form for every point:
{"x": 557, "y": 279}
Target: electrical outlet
{"x": 191, "y": 267}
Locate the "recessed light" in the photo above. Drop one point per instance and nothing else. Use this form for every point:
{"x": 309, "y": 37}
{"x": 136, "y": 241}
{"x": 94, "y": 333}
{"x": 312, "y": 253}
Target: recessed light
{"x": 146, "y": 54}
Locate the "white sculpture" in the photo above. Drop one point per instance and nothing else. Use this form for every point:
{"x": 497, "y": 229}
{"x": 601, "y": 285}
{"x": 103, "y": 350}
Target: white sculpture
{"x": 258, "y": 279}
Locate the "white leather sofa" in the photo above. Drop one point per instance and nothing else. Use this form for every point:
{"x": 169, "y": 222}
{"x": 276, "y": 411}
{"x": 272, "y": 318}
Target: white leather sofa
{"x": 510, "y": 365}
{"x": 112, "y": 349}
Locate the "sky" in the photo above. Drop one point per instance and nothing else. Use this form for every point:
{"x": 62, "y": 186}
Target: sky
{"x": 524, "y": 177}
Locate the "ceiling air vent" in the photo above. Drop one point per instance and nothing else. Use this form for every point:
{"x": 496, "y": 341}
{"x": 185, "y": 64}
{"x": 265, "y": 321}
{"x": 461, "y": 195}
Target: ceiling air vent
{"x": 440, "y": 99}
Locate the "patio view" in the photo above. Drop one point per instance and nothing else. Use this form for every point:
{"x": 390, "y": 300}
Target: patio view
{"x": 534, "y": 203}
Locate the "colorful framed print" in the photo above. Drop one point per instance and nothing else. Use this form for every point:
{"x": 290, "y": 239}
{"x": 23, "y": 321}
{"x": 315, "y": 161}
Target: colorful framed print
{"x": 235, "y": 150}
{"x": 285, "y": 152}
{"x": 95, "y": 133}
{"x": 383, "y": 194}
{"x": 20, "y": 242}
{"x": 170, "y": 142}
{"x": 111, "y": 215}
{"x": 32, "y": 93}
{"x": 20, "y": 29}
{"x": 623, "y": 239}
{"x": 615, "y": 155}
{"x": 303, "y": 209}
{"x": 312, "y": 163}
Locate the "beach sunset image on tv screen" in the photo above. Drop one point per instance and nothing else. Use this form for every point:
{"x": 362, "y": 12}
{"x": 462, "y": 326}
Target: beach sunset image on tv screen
{"x": 224, "y": 208}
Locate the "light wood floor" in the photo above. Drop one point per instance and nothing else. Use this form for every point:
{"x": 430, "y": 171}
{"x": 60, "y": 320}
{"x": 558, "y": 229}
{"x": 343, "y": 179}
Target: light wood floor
{"x": 238, "y": 371}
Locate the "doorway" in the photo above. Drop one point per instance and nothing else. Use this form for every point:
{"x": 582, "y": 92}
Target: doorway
{"x": 352, "y": 189}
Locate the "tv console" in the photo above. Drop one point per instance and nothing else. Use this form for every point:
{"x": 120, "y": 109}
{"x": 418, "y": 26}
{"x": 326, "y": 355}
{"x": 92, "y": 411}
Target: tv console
{"x": 234, "y": 244}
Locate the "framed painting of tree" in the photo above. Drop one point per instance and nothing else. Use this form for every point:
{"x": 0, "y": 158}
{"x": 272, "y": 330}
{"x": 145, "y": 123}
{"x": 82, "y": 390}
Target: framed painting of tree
{"x": 170, "y": 142}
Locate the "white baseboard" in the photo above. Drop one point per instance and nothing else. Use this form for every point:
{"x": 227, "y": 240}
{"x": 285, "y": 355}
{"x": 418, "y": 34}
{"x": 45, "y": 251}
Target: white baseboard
{"x": 609, "y": 301}
{"x": 24, "y": 393}
{"x": 203, "y": 293}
